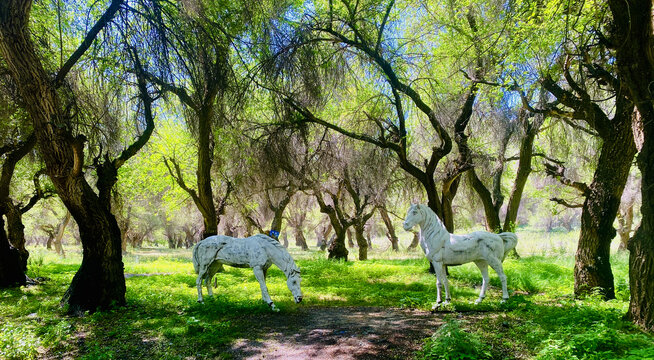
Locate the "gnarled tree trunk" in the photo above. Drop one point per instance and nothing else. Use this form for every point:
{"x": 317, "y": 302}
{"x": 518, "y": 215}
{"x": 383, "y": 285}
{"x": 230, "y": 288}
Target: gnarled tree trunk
{"x": 633, "y": 38}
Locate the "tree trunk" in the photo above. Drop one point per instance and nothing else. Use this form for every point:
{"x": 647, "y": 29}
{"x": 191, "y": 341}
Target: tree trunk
{"x": 321, "y": 236}
{"x": 415, "y": 242}
{"x": 300, "y": 240}
{"x": 205, "y": 161}
{"x": 524, "y": 169}
{"x": 492, "y": 216}
{"x": 16, "y": 232}
{"x": 11, "y": 269}
{"x": 391, "y": 229}
{"x": 634, "y": 34}
{"x": 641, "y": 246}
{"x": 337, "y": 250}
{"x": 625, "y": 222}
{"x": 350, "y": 242}
{"x": 592, "y": 265}
{"x": 361, "y": 240}
{"x": 60, "y": 235}
{"x": 100, "y": 280}
{"x": 278, "y": 217}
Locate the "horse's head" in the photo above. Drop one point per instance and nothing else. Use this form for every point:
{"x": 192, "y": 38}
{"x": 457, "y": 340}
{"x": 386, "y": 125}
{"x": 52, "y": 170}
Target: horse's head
{"x": 293, "y": 283}
{"x": 413, "y": 216}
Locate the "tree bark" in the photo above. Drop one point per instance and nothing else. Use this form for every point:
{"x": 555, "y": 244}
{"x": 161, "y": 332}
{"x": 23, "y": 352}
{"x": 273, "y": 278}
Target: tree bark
{"x": 415, "y": 242}
{"x": 205, "y": 161}
{"x": 625, "y": 222}
{"x": 337, "y": 249}
{"x": 11, "y": 270}
{"x": 522, "y": 175}
{"x": 16, "y": 232}
{"x": 350, "y": 242}
{"x": 633, "y": 39}
{"x": 361, "y": 240}
{"x": 300, "y": 240}
{"x": 278, "y": 211}
{"x": 391, "y": 229}
{"x": 592, "y": 265}
{"x": 60, "y": 235}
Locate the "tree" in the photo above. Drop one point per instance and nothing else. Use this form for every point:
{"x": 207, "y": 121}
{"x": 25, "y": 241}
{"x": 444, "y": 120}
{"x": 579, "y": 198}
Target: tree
{"x": 201, "y": 71}
{"x": 602, "y": 196}
{"x": 382, "y": 121}
{"x": 99, "y": 282}
{"x": 13, "y": 255}
{"x": 632, "y": 37}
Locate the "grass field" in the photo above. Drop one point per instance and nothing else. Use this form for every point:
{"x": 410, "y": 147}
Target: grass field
{"x": 163, "y": 321}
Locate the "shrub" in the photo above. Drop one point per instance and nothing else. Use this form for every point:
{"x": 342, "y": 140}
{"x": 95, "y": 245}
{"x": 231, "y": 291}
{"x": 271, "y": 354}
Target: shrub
{"x": 451, "y": 342}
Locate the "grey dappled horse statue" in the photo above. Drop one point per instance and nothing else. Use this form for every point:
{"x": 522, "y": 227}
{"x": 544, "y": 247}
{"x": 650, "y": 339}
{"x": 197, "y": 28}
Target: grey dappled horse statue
{"x": 442, "y": 248}
{"x": 258, "y": 252}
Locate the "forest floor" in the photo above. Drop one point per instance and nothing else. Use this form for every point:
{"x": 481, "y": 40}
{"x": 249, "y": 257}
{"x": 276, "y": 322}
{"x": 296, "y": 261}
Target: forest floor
{"x": 373, "y": 309}
{"x": 336, "y": 333}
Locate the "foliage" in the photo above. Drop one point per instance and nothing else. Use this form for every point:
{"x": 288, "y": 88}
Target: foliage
{"x": 451, "y": 342}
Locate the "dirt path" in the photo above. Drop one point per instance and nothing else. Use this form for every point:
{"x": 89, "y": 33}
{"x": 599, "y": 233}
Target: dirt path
{"x": 336, "y": 333}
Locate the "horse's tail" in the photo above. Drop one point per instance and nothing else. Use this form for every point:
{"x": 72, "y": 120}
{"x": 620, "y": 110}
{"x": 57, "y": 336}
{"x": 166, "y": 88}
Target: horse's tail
{"x": 510, "y": 241}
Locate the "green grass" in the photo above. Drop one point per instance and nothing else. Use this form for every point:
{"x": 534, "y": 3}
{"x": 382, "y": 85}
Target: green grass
{"x": 163, "y": 321}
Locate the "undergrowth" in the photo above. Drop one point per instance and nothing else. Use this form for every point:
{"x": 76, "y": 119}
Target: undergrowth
{"x": 162, "y": 319}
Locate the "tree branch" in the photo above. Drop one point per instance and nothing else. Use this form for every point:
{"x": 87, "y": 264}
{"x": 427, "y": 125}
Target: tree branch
{"x": 565, "y": 203}
{"x": 88, "y": 40}
{"x": 558, "y": 172}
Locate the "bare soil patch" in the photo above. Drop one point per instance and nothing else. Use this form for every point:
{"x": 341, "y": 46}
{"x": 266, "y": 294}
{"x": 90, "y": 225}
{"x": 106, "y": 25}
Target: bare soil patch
{"x": 336, "y": 333}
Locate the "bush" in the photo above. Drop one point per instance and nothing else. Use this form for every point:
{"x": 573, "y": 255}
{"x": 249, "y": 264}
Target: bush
{"x": 451, "y": 342}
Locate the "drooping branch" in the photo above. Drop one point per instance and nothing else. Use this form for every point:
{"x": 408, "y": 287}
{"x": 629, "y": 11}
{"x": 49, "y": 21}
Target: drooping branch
{"x": 177, "y": 175}
{"x": 88, "y": 40}
{"x": 146, "y": 100}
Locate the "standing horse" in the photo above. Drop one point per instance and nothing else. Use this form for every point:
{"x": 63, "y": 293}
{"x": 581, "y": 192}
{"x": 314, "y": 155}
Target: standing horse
{"x": 442, "y": 248}
{"x": 258, "y": 252}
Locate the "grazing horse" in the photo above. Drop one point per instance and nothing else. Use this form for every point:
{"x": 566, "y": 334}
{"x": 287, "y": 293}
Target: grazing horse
{"x": 258, "y": 252}
{"x": 442, "y": 248}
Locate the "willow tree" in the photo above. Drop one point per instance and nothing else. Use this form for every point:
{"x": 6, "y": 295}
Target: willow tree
{"x": 390, "y": 94}
{"x": 580, "y": 97}
{"x": 49, "y": 103}
{"x": 631, "y": 36}
{"x": 199, "y": 76}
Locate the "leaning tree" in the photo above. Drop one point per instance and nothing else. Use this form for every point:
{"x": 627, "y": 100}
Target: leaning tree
{"x": 51, "y": 104}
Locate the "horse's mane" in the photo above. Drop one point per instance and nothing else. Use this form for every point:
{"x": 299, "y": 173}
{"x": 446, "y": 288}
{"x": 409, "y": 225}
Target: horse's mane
{"x": 287, "y": 257}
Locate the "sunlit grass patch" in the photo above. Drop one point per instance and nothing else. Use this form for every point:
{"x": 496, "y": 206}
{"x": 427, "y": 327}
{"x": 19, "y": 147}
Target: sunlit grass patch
{"x": 162, "y": 319}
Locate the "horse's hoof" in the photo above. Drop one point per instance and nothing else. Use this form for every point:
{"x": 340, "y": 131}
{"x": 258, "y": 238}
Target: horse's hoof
{"x": 200, "y": 302}
{"x": 274, "y": 308}
{"x": 435, "y": 306}
{"x": 478, "y": 301}
{"x": 504, "y": 300}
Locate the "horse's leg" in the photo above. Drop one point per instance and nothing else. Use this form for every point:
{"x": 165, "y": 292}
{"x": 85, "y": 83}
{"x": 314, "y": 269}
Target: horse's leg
{"x": 483, "y": 268}
{"x": 446, "y": 285}
{"x": 440, "y": 275}
{"x": 261, "y": 278}
{"x": 198, "y": 283}
{"x": 496, "y": 264}
{"x": 209, "y": 275}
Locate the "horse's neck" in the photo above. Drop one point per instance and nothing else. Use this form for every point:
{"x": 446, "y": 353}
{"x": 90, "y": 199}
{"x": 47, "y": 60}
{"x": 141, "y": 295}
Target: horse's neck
{"x": 281, "y": 259}
{"x": 433, "y": 232}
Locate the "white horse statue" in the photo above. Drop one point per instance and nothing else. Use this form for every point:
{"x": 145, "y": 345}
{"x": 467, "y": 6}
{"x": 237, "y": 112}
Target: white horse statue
{"x": 258, "y": 252}
{"x": 442, "y": 248}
